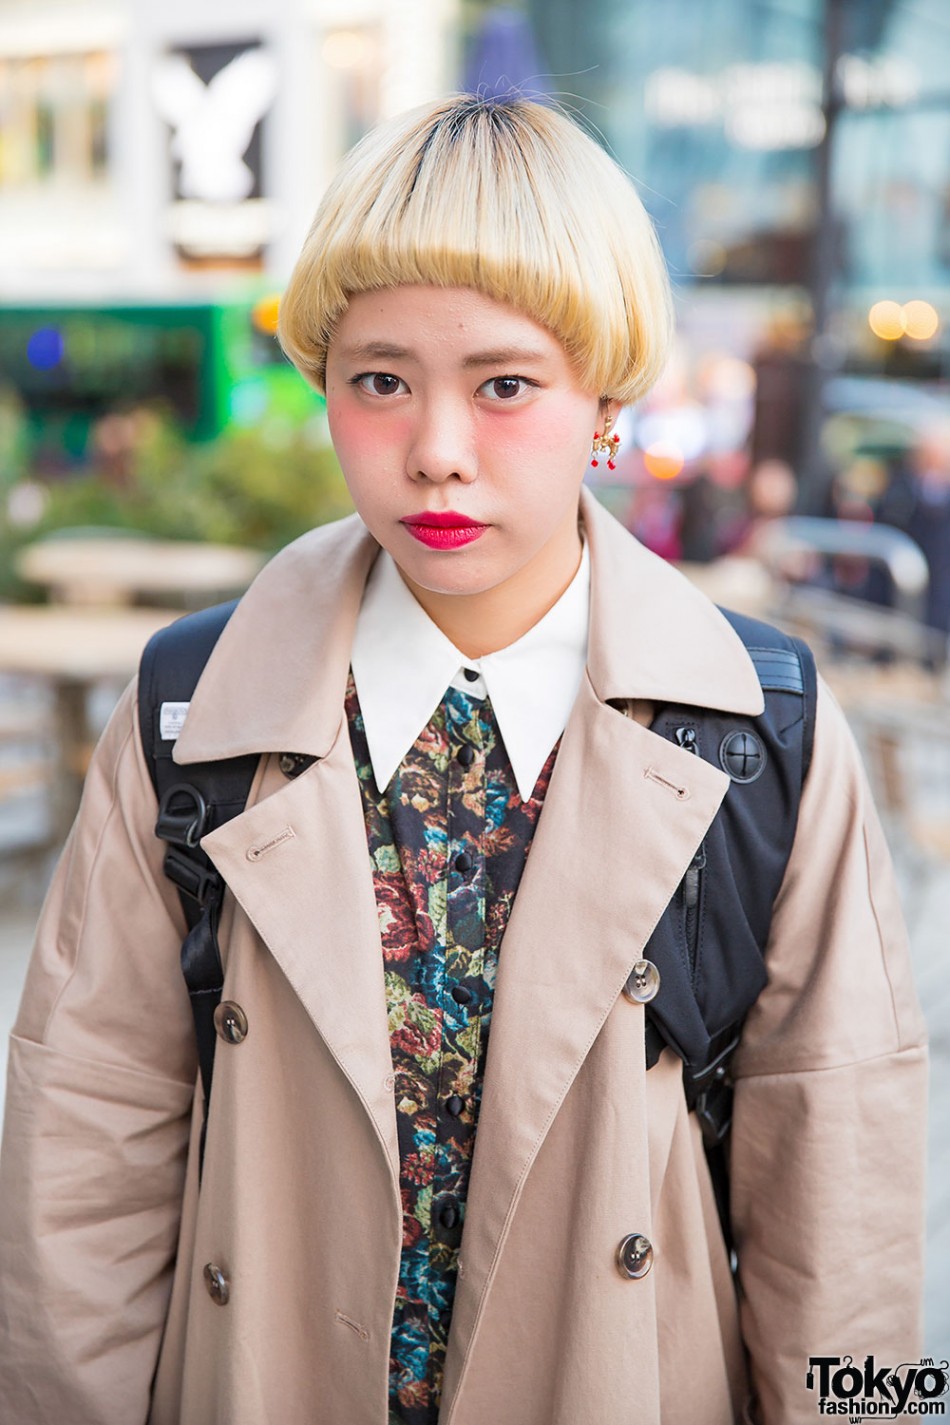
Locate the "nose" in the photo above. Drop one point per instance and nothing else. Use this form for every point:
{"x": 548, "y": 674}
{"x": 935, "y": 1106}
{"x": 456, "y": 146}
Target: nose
{"x": 442, "y": 443}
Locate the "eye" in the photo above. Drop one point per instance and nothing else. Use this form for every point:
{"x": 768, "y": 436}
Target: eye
{"x": 505, "y": 388}
{"x": 380, "y": 383}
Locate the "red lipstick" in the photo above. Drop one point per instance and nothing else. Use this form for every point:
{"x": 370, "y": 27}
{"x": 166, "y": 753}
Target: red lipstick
{"x": 444, "y": 529}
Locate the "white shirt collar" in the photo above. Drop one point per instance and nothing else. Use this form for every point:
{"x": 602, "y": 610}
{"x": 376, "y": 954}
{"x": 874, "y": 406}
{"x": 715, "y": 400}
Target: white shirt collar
{"x": 403, "y": 663}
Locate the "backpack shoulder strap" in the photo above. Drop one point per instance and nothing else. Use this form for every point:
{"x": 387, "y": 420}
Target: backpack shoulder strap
{"x": 784, "y": 665}
{"x": 709, "y": 945}
{"x": 173, "y": 661}
{"x": 192, "y": 800}
{"x": 203, "y": 796}
{"x": 711, "y": 941}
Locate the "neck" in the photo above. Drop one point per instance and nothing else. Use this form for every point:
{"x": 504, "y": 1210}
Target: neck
{"x": 483, "y": 623}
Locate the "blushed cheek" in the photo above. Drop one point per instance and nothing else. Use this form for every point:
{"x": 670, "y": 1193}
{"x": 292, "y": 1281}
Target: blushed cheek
{"x": 347, "y": 431}
{"x": 363, "y": 438}
{"x": 561, "y": 432}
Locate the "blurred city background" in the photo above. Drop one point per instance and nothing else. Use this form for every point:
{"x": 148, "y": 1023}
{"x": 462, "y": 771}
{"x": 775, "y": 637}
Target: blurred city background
{"x": 159, "y": 167}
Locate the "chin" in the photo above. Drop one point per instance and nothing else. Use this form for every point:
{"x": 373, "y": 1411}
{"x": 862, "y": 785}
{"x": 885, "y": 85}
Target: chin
{"x": 457, "y": 588}
{"x": 450, "y": 581}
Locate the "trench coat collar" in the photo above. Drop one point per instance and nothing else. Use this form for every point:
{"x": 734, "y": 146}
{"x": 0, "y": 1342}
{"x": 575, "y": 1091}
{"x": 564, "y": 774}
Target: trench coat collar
{"x": 276, "y": 679}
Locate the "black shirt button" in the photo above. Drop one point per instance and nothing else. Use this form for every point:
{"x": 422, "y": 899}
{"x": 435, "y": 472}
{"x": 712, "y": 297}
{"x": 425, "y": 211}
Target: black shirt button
{"x": 463, "y": 861}
{"x": 461, "y": 995}
{"x": 472, "y": 674}
{"x": 447, "y": 1219}
{"x": 449, "y": 1214}
{"x": 454, "y": 1105}
{"x": 465, "y": 755}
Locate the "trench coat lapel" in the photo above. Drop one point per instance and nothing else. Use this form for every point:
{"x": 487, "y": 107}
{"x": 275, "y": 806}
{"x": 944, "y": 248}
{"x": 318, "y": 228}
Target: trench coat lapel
{"x": 276, "y": 679}
{"x": 297, "y": 860}
{"x": 297, "y": 864}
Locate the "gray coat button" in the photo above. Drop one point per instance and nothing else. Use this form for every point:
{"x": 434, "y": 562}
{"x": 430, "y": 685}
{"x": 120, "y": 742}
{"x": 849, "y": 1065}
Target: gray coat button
{"x": 231, "y": 1022}
{"x": 219, "y": 1288}
{"x": 635, "y": 1255}
{"x": 643, "y": 982}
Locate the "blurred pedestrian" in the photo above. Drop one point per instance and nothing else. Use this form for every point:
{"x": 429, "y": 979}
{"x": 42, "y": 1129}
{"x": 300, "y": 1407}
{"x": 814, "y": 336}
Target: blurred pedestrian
{"x": 919, "y": 503}
{"x": 699, "y": 521}
{"x": 771, "y": 493}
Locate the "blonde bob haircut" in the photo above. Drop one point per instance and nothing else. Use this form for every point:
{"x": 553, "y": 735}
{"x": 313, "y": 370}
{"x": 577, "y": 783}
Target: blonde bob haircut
{"x": 508, "y": 197}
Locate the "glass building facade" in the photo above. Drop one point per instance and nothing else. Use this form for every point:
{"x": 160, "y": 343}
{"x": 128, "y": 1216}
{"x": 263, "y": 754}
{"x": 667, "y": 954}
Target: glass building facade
{"x": 720, "y": 110}
{"x": 795, "y": 158}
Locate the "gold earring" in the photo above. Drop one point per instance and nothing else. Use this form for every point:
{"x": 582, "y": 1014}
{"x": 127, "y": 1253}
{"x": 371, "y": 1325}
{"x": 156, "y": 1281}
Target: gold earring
{"x": 606, "y": 443}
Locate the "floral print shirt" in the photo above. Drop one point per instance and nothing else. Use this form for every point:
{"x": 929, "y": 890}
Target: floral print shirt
{"x": 447, "y": 843}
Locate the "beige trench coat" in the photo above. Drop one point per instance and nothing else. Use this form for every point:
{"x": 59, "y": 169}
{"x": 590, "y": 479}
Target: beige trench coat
{"x": 105, "y": 1318}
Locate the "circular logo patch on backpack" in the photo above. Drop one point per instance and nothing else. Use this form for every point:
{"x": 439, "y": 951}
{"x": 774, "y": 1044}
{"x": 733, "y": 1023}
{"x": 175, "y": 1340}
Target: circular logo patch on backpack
{"x": 742, "y": 755}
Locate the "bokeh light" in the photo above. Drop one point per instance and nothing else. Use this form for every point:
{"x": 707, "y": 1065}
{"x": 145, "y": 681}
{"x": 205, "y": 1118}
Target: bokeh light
{"x": 265, "y": 314}
{"x": 920, "y": 320}
{"x": 727, "y": 378}
{"x": 663, "y": 460}
{"x": 886, "y": 320}
{"x": 45, "y": 348}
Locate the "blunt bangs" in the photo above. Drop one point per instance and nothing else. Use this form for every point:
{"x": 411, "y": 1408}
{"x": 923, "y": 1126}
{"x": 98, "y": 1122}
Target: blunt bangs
{"x": 510, "y": 198}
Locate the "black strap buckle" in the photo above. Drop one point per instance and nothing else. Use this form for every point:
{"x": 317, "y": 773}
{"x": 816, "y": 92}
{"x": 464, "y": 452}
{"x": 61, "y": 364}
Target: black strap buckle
{"x": 708, "y": 1091}
{"x": 714, "y": 1069}
{"x": 182, "y": 816}
{"x": 201, "y": 882}
{"x": 713, "y": 1108}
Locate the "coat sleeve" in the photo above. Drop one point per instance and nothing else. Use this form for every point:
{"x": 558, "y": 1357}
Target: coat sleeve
{"x": 829, "y": 1127}
{"x": 100, "y": 1082}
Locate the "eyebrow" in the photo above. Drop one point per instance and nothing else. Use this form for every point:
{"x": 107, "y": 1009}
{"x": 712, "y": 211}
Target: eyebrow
{"x": 391, "y": 351}
{"x": 376, "y": 351}
{"x": 503, "y": 356}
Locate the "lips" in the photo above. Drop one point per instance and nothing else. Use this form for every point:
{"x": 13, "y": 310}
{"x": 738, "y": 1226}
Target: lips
{"x": 447, "y": 519}
{"x": 443, "y": 529}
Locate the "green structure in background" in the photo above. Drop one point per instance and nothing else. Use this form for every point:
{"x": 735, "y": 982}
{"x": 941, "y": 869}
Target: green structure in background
{"x": 206, "y": 365}
{"x": 181, "y": 421}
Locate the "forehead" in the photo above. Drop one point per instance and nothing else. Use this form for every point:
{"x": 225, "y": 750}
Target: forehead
{"x": 458, "y": 322}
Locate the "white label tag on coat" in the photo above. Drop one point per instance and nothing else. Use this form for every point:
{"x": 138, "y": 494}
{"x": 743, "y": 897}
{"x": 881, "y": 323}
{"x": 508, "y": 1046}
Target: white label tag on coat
{"x": 171, "y": 720}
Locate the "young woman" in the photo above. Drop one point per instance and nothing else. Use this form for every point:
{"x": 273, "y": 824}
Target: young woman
{"x": 440, "y": 1181}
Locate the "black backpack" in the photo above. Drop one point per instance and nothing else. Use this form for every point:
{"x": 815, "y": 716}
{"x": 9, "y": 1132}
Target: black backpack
{"x": 709, "y": 945}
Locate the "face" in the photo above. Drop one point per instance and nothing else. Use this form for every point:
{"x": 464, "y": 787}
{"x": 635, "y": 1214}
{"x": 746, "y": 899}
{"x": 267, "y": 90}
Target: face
{"x": 445, "y": 403}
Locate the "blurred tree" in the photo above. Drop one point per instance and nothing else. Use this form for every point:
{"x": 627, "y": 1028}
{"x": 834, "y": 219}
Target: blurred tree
{"x": 260, "y": 487}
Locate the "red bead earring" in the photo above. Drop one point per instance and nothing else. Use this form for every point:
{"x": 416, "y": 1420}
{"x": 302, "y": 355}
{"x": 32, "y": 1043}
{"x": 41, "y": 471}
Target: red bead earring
{"x": 606, "y": 443}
